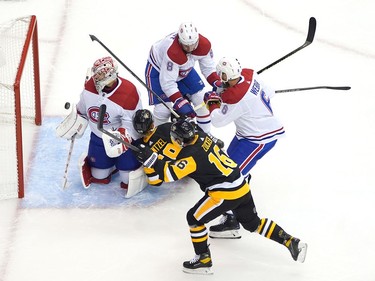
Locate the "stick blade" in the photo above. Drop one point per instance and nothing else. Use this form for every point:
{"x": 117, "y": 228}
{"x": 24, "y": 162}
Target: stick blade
{"x": 93, "y": 37}
{"x": 311, "y": 32}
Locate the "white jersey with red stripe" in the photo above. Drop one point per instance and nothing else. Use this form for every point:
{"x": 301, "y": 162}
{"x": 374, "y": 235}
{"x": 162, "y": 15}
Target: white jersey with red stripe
{"x": 173, "y": 64}
{"x": 248, "y": 105}
{"x": 122, "y": 101}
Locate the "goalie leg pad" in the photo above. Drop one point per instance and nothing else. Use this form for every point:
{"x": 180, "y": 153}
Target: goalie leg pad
{"x": 85, "y": 171}
{"x": 137, "y": 182}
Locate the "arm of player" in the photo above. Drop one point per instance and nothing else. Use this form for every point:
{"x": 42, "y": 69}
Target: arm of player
{"x": 170, "y": 171}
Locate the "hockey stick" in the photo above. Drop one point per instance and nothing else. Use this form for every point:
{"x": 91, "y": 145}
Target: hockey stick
{"x": 309, "y": 40}
{"x": 65, "y": 178}
{"x": 344, "y": 88}
{"x": 94, "y": 38}
{"x": 102, "y": 111}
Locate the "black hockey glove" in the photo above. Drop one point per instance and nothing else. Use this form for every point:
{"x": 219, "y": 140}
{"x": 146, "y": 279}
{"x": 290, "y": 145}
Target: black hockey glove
{"x": 146, "y": 156}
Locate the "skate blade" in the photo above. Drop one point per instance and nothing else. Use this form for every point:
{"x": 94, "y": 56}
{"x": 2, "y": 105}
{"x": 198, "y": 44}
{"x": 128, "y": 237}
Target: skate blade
{"x": 303, "y": 250}
{"x": 228, "y": 234}
{"x": 201, "y": 271}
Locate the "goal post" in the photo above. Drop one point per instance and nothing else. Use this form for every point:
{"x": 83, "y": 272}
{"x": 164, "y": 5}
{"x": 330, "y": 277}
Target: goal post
{"x": 20, "y": 102}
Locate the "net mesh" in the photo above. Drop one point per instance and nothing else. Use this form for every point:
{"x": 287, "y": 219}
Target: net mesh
{"x": 12, "y": 43}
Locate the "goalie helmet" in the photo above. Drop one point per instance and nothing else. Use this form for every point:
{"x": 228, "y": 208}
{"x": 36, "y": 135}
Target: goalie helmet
{"x": 182, "y": 132}
{"x": 228, "y": 69}
{"x": 104, "y": 72}
{"x": 143, "y": 121}
{"x": 188, "y": 36}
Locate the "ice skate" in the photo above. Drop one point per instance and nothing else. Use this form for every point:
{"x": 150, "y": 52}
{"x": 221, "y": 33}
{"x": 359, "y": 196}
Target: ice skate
{"x": 296, "y": 248}
{"x": 228, "y": 228}
{"x": 200, "y": 264}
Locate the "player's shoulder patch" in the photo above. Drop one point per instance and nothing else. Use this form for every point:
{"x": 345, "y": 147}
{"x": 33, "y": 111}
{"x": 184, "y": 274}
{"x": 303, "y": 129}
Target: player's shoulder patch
{"x": 234, "y": 94}
{"x": 204, "y": 46}
{"x": 176, "y": 54}
{"x": 126, "y": 95}
{"x": 90, "y": 86}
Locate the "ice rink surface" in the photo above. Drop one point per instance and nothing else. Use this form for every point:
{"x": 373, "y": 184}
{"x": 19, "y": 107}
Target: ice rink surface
{"x": 317, "y": 182}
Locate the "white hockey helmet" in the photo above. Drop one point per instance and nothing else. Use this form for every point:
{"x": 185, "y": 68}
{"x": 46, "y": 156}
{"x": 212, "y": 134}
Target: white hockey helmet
{"x": 188, "y": 36}
{"x": 104, "y": 72}
{"x": 231, "y": 67}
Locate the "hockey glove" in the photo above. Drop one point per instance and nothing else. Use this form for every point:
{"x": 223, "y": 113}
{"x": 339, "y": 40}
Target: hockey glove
{"x": 114, "y": 148}
{"x": 74, "y": 125}
{"x": 146, "y": 156}
{"x": 183, "y": 107}
{"x": 212, "y": 100}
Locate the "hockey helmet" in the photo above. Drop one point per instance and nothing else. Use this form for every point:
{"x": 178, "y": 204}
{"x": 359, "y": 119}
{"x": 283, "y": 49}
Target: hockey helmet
{"x": 104, "y": 72}
{"x": 188, "y": 36}
{"x": 182, "y": 132}
{"x": 143, "y": 121}
{"x": 228, "y": 69}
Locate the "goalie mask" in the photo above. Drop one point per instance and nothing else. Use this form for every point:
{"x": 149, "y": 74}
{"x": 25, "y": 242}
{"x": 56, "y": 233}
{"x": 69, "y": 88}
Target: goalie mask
{"x": 182, "y": 132}
{"x": 143, "y": 121}
{"x": 188, "y": 36}
{"x": 104, "y": 72}
{"x": 228, "y": 69}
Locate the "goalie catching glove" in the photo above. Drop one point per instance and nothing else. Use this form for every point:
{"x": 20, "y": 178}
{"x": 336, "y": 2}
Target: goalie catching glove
{"x": 146, "y": 156}
{"x": 74, "y": 125}
{"x": 114, "y": 148}
{"x": 212, "y": 100}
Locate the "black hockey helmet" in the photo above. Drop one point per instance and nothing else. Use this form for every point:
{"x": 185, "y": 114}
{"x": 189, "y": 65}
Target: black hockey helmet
{"x": 182, "y": 132}
{"x": 143, "y": 121}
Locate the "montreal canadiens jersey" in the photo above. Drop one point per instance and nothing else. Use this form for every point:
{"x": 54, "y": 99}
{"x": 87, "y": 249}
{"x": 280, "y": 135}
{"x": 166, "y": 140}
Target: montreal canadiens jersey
{"x": 122, "y": 102}
{"x": 173, "y": 64}
{"x": 204, "y": 162}
{"x": 248, "y": 105}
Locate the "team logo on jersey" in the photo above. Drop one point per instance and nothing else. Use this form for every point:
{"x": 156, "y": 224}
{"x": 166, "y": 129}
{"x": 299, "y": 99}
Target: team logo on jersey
{"x": 184, "y": 73}
{"x": 93, "y": 114}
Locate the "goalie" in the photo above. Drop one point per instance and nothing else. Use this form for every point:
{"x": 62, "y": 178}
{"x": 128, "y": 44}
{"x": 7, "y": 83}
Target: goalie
{"x": 105, "y": 155}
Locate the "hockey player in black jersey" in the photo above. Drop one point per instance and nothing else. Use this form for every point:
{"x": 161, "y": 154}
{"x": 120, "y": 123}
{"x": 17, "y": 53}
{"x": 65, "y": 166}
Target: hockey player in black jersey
{"x": 224, "y": 187}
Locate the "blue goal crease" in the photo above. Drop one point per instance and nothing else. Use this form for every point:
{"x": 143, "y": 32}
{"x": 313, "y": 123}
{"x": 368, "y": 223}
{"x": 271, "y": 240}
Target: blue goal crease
{"x": 43, "y": 186}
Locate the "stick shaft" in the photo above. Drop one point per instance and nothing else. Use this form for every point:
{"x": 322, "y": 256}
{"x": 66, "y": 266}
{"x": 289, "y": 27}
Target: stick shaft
{"x": 94, "y": 38}
{"x": 65, "y": 179}
{"x": 343, "y": 88}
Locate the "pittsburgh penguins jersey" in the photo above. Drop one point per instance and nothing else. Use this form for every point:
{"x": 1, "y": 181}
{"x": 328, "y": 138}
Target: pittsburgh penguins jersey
{"x": 204, "y": 162}
{"x": 159, "y": 141}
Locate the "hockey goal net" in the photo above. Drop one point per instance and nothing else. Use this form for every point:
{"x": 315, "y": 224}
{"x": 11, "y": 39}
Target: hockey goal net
{"x": 19, "y": 99}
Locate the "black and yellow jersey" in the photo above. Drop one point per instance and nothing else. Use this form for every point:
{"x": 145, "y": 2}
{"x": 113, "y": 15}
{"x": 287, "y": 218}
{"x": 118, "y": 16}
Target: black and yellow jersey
{"x": 206, "y": 163}
{"x": 159, "y": 140}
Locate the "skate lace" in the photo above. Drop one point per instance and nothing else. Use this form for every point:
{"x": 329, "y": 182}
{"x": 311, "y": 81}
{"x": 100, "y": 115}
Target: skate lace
{"x": 195, "y": 259}
{"x": 223, "y": 219}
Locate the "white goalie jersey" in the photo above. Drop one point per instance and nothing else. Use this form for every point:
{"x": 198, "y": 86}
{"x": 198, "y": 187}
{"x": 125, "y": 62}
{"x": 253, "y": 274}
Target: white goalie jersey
{"x": 122, "y": 102}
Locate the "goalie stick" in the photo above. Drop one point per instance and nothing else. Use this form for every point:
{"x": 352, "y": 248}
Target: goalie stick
{"x": 94, "y": 38}
{"x": 102, "y": 111}
{"x": 344, "y": 88}
{"x": 65, "y": 178}
{"x": 309, "y": 40}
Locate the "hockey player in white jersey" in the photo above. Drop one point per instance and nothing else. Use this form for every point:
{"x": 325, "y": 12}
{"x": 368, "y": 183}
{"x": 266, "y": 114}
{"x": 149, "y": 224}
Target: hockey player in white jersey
{"x": 105, "y": 155}
{"x": 245, "y": 101}
{"x": 171, "y": 75}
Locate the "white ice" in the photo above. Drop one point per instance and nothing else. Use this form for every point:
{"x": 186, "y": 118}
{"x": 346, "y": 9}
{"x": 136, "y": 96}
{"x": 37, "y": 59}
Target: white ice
{"x": 317, "y": 182}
